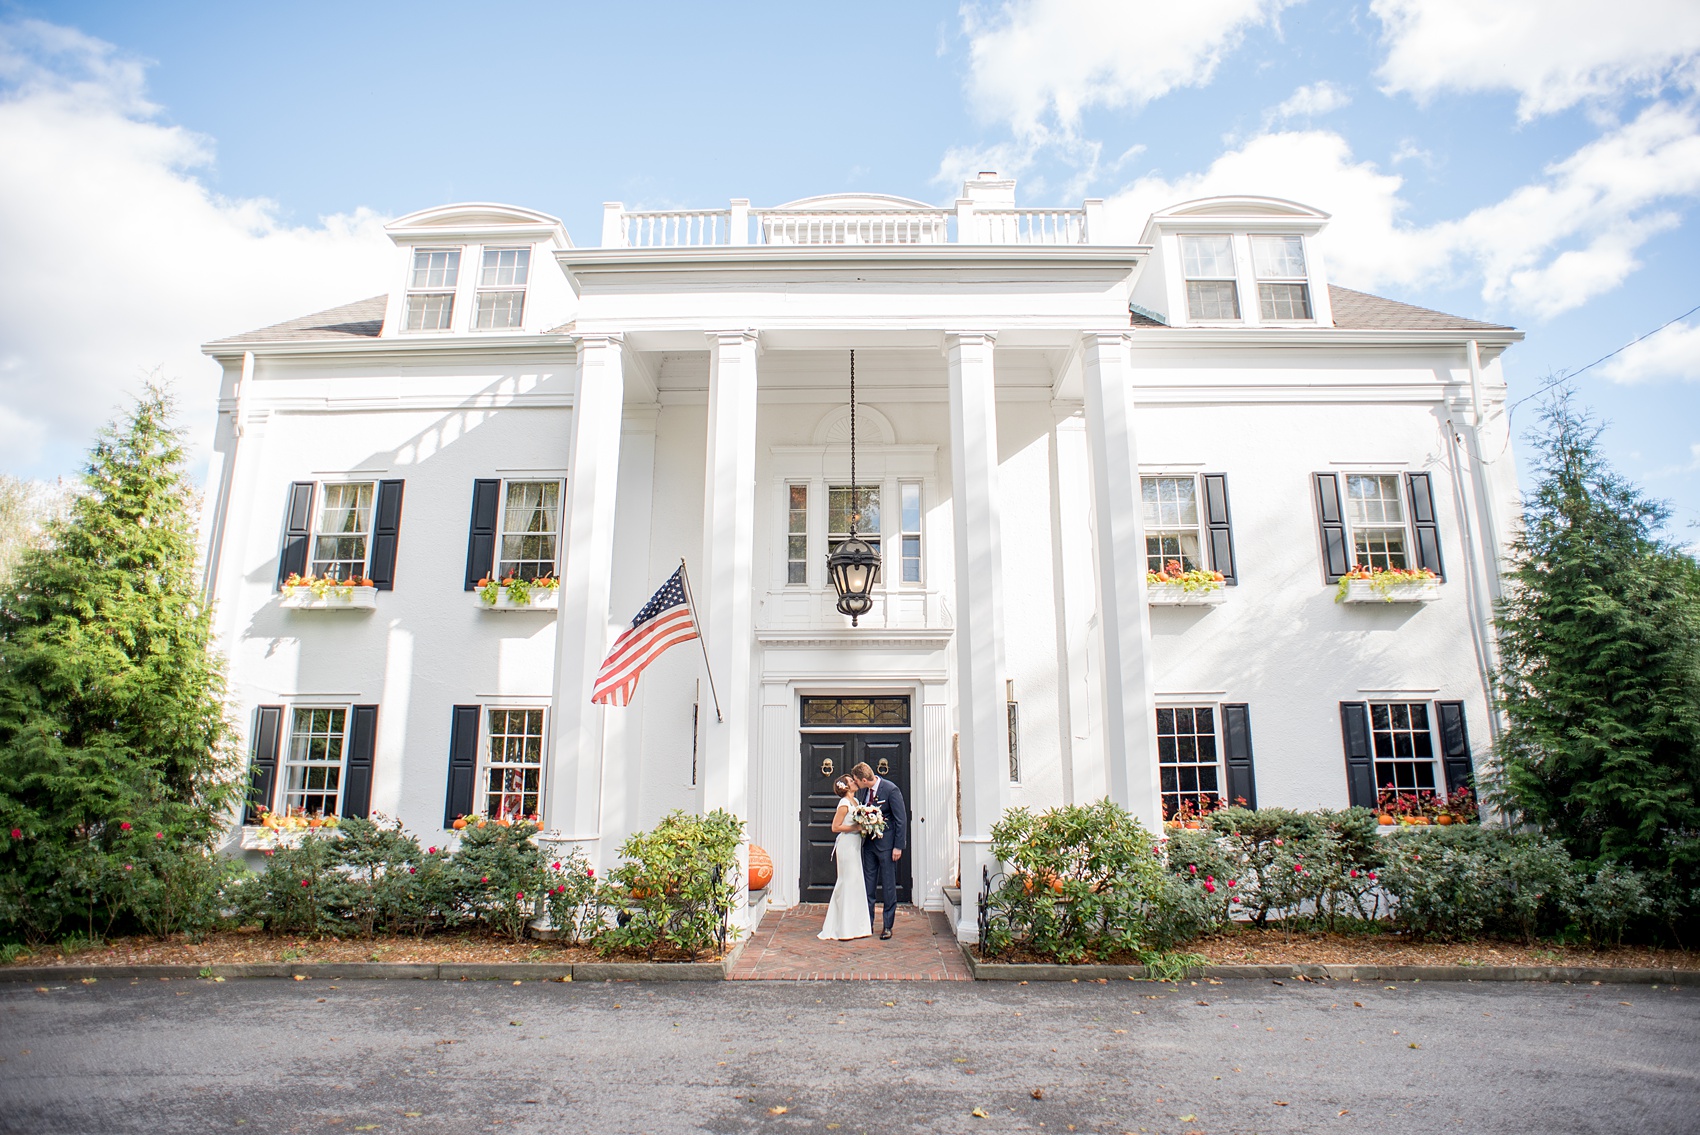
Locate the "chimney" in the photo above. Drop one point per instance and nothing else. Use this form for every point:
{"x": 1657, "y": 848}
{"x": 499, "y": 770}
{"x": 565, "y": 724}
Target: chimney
{"x": 989, "y": 191}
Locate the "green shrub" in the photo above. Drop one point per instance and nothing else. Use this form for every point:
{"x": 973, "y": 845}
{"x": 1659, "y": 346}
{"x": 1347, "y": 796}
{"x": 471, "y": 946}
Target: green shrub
{"x": 1313, "y": 866}
{"x": 1612, "y": 902}
{"x": 677, "y": 886}
{"x": 573, "y": 898}
{"x": 299, "y": 891}
{"x": 169, "y": 885}
{"x": 1465, "y": 881}
{"x": 393, "y": 885}
{"x": 498, "y": 875}
{"x": 1086, "y": 881}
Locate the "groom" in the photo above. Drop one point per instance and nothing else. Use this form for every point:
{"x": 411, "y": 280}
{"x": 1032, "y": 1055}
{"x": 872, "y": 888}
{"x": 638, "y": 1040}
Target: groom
{"x": 880, "y": 856}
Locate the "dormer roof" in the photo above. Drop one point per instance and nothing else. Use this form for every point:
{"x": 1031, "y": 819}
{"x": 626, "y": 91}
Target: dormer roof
{"x": 1266, "y": 213}
{"x": 476, "y": 221}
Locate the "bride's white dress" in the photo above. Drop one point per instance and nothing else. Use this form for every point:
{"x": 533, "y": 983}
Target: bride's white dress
{"x": 847, "y": 913}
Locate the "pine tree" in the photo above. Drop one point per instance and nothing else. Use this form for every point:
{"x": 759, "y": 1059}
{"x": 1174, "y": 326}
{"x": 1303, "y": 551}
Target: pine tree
{"x": 112, "y": 716}
{"x": 1600, "y": 666}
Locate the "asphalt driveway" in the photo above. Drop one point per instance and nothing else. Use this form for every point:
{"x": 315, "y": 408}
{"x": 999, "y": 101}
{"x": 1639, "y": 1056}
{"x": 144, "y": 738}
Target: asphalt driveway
{"x": 412, "y": 1058}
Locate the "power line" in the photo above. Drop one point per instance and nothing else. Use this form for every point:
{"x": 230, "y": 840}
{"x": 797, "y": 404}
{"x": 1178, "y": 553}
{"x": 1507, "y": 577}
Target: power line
{"x": 1568, "y": 375}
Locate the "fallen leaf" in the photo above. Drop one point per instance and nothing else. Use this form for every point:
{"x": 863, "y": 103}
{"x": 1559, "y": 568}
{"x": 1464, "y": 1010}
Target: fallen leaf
{"x": 516, "y": 983}
{"x": 1277, "y": 983}
{"x": 832, "y": 1126}
{"x": 367, "y": 1127}
{"x": 1280, "y": 1103}
{"x": 1038, "y": 1093}
{"x": 779, "y": 1109}
{"x": 413, "y": 1114}
{"x": 41, "y": 989}
{"x": 959, "y": 1060}
{"x": 513, "y": 1022}
{"x": 1187, "y": 1118}
{"x": 1201, "y": 1002}
{"x": 1345, "y": 1111}
{"x": 979, "y": 1113}
{"x": 90, "y": 980}
{"x": 1357, "y": 1004}
{"x": 300, "y": 977}
{"x": 1413, "y": 1044}
{"x": 889, "y": 1004}
{"x": 1623, "y": 1002}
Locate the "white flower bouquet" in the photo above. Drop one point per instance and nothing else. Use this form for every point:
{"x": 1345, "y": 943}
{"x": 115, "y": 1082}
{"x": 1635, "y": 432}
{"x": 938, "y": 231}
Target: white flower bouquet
{"x": 869, "y": 818}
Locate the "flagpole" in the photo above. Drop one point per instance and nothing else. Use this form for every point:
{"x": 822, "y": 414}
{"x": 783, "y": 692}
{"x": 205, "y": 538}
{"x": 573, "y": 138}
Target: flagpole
{"x": 685, "y": 576}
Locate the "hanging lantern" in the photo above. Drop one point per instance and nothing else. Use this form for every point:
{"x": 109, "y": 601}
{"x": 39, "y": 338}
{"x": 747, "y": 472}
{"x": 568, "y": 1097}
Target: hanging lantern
{"x": 854, "y": 566}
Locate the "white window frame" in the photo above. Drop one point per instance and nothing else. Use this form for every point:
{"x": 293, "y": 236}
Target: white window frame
{"x": 1188, "y": 278}
{"x": 488, "y": 765}
{"x": 906, "y": 533}
{"x": 876, "y": 536}
{"x": 289, "y": 764}
{"x": 319, "y": 532}
{"x": 790, "y": 531}
{"x": 502, "y": 532}
{"x": 1402, "y": 526}
{"x": 1196, "y": 529}
{"x": 1436, "y": 773}
{"x": 444, "y": 291}
{"x": 493, "y": 290}
{"x": 1301, "y": 281}
{"x": 1220, "y": 792}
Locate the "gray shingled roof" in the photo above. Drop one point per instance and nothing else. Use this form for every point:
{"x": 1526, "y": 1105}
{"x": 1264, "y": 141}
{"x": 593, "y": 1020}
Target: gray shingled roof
{"x": 1360, "y": 311}
{"x": 363, "y": 319}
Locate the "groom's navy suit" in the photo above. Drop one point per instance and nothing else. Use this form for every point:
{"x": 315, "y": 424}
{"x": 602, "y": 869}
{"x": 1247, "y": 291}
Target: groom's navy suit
{"x": 877, "y": 864}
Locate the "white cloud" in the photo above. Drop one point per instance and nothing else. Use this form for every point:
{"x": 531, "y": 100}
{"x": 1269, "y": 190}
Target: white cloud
{"x": 1310, "y": 101}
{"x": 1546, "y": 248}
{"x": 1552, "y": 53}
{"x": 1671, "y": 352}
{"x": 1038, "y": 64}
{"x": 119, "y": 261}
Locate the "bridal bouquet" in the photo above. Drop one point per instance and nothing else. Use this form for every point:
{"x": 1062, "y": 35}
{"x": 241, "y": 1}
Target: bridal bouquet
{"x": 869, "y": 818}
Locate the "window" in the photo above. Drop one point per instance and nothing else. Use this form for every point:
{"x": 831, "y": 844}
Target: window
{"x": 312, "y": 782}
{"x": 1402, "y": 745}
{"x": 513, "y": 783}
{"x": 345, "y": 524}
{"x": 1282, "y": 292}
{"x": 1208, "y": 264}
{"x": 1013, "y": 709}
{"x": 797, "y": 534}
{"x": 840, "y": 510}
{"x": 1171, "y": 522}
{"x": 431, "y": 291}
{"x": 910, "y": 523}
{"x": 1376, "y": 517}
{"x": 531, "y": 527}
{"x": 1187, "y": 762}
{"x": 501, "y": 288}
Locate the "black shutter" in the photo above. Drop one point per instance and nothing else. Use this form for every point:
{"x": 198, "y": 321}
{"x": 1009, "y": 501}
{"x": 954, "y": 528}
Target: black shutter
{"x": 1455, "y": 746}
{"x": 297, "y": 531}
{"x": 1422, "y": 516}
{"x": 1336, "y": 560}
{"x": 262, "y": 772}
{"x": 1217, "y": 527}
{"x": 1360, "y": 765}
{"x": 481, "y": 539}
{"x": 463, "y": 762}
{"x": 386, "y": 528}
{"x": 357, "y": 783}
{"x": 1236, "y": 746}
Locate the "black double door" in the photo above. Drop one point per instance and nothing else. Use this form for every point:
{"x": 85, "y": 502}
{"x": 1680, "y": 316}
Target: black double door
{"x": 826, "y": 757}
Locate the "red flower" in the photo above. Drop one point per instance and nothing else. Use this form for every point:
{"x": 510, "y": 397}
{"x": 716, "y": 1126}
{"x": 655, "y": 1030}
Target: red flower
{"x": 125, "y": 826}
{"x": 127, "y": 867}
{"x": 17, "y": 833}
{"x": 590, "y": 871}
{"x": 483, "y": 878}
{"x": 1372, "y": 876}
{"x": 159, "y": 835}
{"x": 1209, "y": 887}
{"x": 1193, "y": 867}
{"x": 268, "y": 852}
{"x": 1354, "y": 872}
{"x": 1209, "y": 878}
{"x": 519, "y": 896}
{"x": 430, "y": 851}
{"x": 413, "y": 870}
{"x": 554, "y": 866}
{"x": 1233, "y": 882}
{"x": 1277, "y": 843}
{"x": 304, "y": 883}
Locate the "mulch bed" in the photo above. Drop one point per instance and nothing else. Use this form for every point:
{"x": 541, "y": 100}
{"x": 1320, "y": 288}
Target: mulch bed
{"x": 236, "y": 947}
{"x": 1272, "y": 946}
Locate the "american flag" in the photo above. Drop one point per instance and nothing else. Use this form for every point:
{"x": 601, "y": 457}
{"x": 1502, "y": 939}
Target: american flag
{"x": 664, "y": 621}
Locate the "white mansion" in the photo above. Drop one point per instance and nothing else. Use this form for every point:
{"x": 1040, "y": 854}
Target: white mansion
{"x": 1042, "y": 418}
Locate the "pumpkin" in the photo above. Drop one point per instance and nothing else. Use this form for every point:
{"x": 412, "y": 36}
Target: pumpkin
{"x": 1443, "y": 819}
{"x": 460, "y": 824}
{"x": 1384, "y": 819}
{"x": 761, "y": 868}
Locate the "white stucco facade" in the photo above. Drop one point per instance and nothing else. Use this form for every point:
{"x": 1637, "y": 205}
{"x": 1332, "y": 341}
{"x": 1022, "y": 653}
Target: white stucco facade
{"x": 685, "y": 386}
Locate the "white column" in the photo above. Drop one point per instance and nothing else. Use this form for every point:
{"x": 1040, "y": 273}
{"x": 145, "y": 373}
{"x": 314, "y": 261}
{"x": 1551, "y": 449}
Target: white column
{"x": 582, "y": 632}
{"x": 980, "y": 699}
{"x": 1128, "y": 689}
{"x": 723, "y": 584}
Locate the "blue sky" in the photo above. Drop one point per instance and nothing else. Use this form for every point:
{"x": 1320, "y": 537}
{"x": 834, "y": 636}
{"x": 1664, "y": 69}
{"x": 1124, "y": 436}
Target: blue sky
{"x": 176, "y": 172}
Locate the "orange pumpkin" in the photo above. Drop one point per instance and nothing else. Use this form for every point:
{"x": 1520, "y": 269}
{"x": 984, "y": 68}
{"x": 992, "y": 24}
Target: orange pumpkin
{"x": 761, "y": 868}
{"x": 1443, "y": 819}
{"x": 1384, "y": 819}
{"x": 460, "y": 824}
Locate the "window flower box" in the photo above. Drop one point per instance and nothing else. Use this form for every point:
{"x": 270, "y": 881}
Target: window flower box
{"x": 314, "y": 593}
{"x": 1388, "y": 585}
{"x": 1173, "y": 587}
{"x": 274, "y": 831}
{"x": 514, "y": 594}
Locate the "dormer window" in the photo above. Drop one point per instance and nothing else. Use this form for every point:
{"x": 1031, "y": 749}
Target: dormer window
{"x": 501, "y": 288}
{"x": 1208, "y": 264}
{"x": 1282, "y": 290}
{"x": 431, "y": 290}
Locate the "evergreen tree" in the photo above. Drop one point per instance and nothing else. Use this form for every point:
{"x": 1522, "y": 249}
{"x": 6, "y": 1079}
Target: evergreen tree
{"x": 112, "y": 723}
{"x": 1600, "y": 667}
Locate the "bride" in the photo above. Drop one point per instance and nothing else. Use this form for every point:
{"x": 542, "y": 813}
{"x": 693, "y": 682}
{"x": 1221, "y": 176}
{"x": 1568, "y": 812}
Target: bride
{"x": 847, "y": 914}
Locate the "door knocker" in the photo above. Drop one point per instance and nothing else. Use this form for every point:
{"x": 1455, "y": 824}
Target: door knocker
{"x": 884, "y": 767}
{"x": 826, "y": 767}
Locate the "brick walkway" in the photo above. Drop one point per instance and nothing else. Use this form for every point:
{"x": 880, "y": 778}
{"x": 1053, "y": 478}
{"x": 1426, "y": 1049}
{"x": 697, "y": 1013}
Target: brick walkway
{"x": 784, "y": 948}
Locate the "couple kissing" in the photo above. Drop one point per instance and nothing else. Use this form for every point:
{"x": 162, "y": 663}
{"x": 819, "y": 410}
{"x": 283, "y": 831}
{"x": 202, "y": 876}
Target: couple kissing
{"x": 873, "y": 832}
